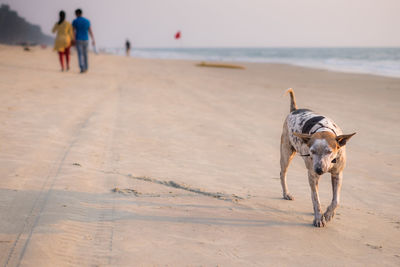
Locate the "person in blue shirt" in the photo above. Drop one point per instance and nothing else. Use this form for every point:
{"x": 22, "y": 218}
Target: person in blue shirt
{"x": 82, "y": 30}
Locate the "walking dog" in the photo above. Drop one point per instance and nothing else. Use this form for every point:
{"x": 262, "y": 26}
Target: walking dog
{"x": 322, "y": 145}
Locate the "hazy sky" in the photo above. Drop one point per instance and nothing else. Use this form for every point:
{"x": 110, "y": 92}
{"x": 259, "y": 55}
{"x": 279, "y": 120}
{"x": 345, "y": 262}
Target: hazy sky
{"x": 227, "y": 23}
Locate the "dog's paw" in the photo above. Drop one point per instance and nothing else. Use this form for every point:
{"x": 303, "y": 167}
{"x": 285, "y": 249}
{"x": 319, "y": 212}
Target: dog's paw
{"x": 328, "y": 215}
{"x": 288, "y": 197}
{"x": 319, "y": 222}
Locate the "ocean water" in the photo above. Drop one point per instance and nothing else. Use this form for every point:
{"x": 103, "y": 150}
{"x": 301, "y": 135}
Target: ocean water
{"x": 378, "y": 61}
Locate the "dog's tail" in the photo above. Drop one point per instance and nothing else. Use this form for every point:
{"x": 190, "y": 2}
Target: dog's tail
{"x": 293, "y": 105}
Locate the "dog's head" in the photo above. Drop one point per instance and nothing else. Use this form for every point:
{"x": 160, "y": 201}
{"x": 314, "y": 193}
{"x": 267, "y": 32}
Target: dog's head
{"x": 324, "y": 147}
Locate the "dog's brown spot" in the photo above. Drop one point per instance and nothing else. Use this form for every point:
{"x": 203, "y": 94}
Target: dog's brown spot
{"x": 329, "y": 137}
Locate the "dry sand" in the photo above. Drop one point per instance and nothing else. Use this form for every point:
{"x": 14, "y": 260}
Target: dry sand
{"x": 162, "y": 163}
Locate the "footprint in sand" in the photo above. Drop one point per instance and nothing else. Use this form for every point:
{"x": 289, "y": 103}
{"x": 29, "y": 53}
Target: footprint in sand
{"x": 129, "y": 191}
{"x": 125, "y": 191}
{"x": 374, "y": 246}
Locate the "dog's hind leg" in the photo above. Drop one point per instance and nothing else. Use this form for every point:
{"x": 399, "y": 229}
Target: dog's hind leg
{"x": 287, "y": 154}
{"x": 336, "y": 185}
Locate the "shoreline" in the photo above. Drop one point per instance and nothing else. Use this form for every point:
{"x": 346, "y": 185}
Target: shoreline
{"x": 345, "y": 61}
{"x": 300, "y": 65}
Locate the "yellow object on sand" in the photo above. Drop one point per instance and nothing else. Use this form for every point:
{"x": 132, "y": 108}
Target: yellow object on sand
{"x": 219, "y": 65}
{"x": 64, "y": 36}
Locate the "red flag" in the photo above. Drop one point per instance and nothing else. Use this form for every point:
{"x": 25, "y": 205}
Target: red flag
{"x": 178, "y": 35}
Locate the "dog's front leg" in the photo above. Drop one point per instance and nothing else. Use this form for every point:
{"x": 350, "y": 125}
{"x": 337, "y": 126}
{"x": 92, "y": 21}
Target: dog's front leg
{"x": 336, "y": 185}
{"x": 313, "y": 179}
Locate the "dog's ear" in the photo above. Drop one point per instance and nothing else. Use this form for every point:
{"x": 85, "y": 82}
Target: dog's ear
{"x": 304, "y": 137}
{"x": 342, "y": 139}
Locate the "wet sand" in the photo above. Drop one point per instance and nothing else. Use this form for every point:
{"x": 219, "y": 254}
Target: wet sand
{"x": 163, "y": 163}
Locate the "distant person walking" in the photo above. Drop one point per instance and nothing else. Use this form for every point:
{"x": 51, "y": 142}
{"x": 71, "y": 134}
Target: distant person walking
{"x": 63, "y": 39}
{"x": 127, "y": 47}
{"x": 82, "y": 28}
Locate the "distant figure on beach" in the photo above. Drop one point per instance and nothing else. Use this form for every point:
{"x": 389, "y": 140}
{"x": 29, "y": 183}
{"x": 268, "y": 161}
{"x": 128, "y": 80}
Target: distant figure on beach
{"x": 127, "y": 47}
{"x": 82, "y": 28}
{"x": 63, "y": 39}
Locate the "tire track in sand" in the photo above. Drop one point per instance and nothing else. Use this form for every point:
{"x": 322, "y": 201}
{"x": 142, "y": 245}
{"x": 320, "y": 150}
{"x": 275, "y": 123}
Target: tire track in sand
{"x": 19, "y": 246}
{"x": 102, "y": 227}
{"x": 87, "y": 237}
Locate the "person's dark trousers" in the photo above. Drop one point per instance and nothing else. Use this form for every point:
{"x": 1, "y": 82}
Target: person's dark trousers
{"x": 82, "y": 47}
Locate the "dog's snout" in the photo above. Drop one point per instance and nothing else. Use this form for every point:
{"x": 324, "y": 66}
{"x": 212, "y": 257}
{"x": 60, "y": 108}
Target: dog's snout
{"x": 318, "y": 170}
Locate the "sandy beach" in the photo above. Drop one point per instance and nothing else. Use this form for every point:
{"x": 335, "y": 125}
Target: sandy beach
{"x": 145, "y": 162}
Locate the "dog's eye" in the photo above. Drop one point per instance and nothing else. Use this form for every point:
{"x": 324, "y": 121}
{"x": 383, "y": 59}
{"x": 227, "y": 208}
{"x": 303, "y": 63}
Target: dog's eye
{"x": 312, "y": 151}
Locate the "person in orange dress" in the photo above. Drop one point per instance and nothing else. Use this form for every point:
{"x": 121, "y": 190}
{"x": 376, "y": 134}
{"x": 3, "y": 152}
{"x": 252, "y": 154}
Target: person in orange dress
{"x": 64, "y": 39}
